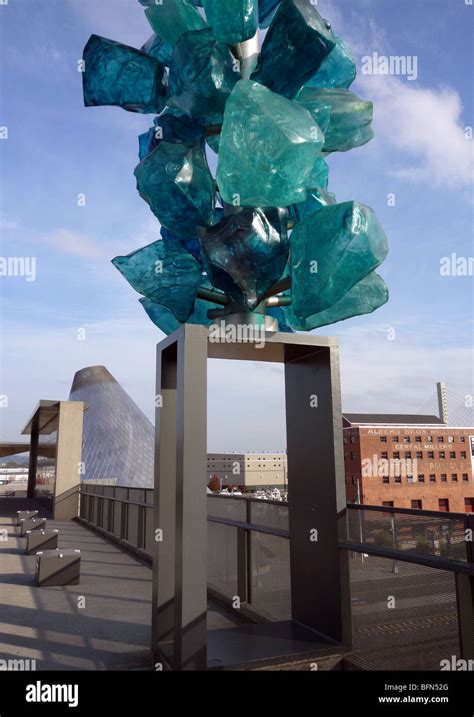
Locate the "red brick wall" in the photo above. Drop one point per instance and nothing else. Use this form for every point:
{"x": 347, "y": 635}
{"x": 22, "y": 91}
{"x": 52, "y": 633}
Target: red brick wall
{"x": 374, "y": 491}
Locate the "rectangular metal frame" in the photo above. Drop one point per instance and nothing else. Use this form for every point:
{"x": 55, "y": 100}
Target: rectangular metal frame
{"x": 319, "y": 570}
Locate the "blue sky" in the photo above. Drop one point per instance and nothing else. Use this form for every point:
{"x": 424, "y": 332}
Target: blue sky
{"x": 79, "y": 311}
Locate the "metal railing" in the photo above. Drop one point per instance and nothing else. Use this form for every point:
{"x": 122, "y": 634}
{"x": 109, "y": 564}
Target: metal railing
{"x": 411, "y": 571}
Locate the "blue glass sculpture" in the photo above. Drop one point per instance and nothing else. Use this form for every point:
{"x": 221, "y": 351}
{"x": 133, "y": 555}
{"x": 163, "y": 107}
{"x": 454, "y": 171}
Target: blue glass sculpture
{"x": 115, "y": 74}
{"x": 246, "y": 253}
{"x": 232, "y": 21}
{"x": 266, "y": 160}
{"x": 337, "y": 69}
{"x": 176, "y": 182}
{"x": 165, "y": 273}
{"x": 264, "y": 241}
{"x": 294, "y": 48}
{"x": 202, "y": 76}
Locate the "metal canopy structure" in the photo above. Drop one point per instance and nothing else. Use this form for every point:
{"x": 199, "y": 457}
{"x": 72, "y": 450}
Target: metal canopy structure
{"x": 320, "y": 593}
{"x": 44, "y": 419}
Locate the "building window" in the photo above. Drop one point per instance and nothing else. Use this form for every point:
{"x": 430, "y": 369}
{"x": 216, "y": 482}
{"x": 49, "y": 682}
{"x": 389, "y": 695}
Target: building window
{"x": 383, "y": 439}
{"x": 465, "y": 477}
{"x": 353, "y": 440}
{"x": 406, "y": 439}
{"x": 421, "y": 478}
{"x": 430, "y": 454}
{"x": 395, "y": 439}
{"x": 407, "y": 454}
{"x": 442, "y": 454}
{"x": 452, "y": 454}
{"x": 429, "y": 439}
{"x": 387, "y": 503}
{"x": 417, "y": 439}
{"x": 353, "y": 455}
{"x": 345, "y": 439}
{"x": 354, "y": 480}
{"x": 419, "y": 454}
{"x": 416, "y": 505}
{"x": 396, "y": 454}
{"x": 386, "y": 479}
{"x": 463, "y": 454}
{"x": 469, "y": 505}
{"x": 432, "y": 478}
{"x": 398, "y": 479}
{"x": 450, "y": 439}
{"x": 443, "y": 505}
{"x": 454, "y": 477}
{"x": 384, "y": 454}
{"x": 462, "y": 439}
{"x": 444, "y": 478}
{"x": 440, "y": 439}
{"x": 345, "y": 456}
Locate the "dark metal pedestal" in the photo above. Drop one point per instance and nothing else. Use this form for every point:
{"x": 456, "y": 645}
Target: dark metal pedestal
{"x": 319, "y": 571}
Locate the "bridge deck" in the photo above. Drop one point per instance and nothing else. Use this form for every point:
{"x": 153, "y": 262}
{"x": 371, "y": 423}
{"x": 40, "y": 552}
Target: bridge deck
{"x": 101, "y": 624}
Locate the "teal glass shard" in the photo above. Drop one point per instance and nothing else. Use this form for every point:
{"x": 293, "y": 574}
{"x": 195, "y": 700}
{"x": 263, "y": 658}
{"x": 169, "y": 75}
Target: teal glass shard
{"x": 338, "y": 69}
{"x": 350, "y": 122}
{"x": 165, "y": 273}
{"x": 268, "y": 159}
{"x": 213, "y": 141}
{"x": 319, "y": 175}
{"x": 246, "y": 253}
{"x": 266, "y": 11}
{"x": 171, "y": 126}
{"x": 365, "y": 297}
{"x": 330, "y": 252}
{"x": 202, "y": 76}
{"x": 277, "y": 313}
{"x": 316, "y": 199}
{"x": 232, "y": 21}
{"x": 295, "y": 45}
{"x": 115, "y": 74}
{"x": 171, "y": 18}
{"x": 190, "y": 244}
{"x": 176, "y": 182}
{"x": 166, "y": 321}
{"x": 157, "y": 48}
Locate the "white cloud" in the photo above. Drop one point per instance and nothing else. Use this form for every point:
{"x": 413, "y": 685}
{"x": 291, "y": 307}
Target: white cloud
{"x": 74, "y": 243}
{"x": 425, "y": 126}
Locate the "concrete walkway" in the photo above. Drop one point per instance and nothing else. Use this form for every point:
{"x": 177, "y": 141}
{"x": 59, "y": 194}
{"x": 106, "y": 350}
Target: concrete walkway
{"x": 101, "y": 624}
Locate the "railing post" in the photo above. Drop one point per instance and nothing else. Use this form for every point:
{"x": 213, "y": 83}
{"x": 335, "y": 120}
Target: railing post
{"x": 242, "y": 559}
{"x": 465, "y": 596}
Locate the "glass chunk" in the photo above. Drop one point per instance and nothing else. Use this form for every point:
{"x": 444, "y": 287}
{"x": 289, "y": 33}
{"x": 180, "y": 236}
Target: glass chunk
{"x": 277, "y": 313}
{"x": 171, "y": 126}
{"x": 246, "y": 253}
{"x": 202, "y": 76}
{"x": 331, "y": 251}
{"x": 266, "y": 11}
{"x": 268, "y": 159}
{"x": 176, "y": 182}
{"x": 190, "y": 244}
{"x": 350, "y": 118}
{"x": 319, "y": 174}
{"x": 295, "y": 45}
{"x": 338, "y": 69}
{"x": 232, "y": 21}
{"x": 115, "y": 74}
{"x": 157, "y": 48}
{"x": 171, "y": 18}
{"x": 165, "y": 273}
{"x": 316, "y": 199}
{"x": 365, "y": 297}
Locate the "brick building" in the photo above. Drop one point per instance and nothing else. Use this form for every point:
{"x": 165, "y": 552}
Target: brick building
{"x": 248, "y": 470}
{"x": 408, "y": 461}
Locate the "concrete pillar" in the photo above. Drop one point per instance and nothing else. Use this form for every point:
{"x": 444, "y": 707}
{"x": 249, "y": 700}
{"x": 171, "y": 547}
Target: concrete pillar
{"x": 33, "y": 462}
{"x": 68, "y": 458}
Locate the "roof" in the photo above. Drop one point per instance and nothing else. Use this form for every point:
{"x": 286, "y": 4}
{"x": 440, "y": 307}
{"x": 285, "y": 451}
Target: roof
{"x": 403, "y": 419}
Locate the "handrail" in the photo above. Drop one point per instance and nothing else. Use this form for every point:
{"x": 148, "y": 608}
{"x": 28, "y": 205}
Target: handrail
{"x": 430, "y": 561}
{"x": 407, "y": 511}
{"x": 254, "y": 527}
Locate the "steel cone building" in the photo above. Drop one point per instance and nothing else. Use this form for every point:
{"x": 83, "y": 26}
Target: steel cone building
{"x": 118, "y": 439}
